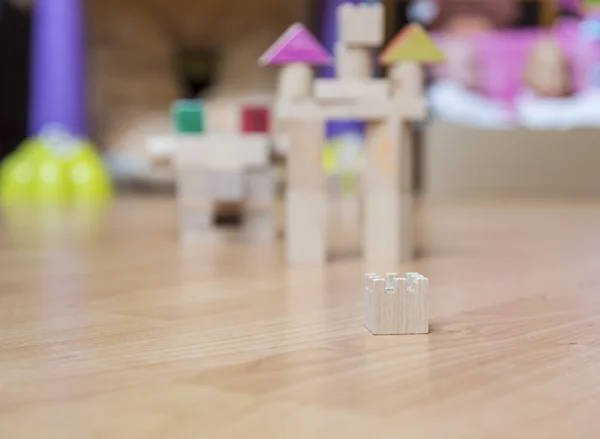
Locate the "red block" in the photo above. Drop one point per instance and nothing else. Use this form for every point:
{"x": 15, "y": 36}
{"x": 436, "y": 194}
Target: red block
{"x": 255, "y": 119}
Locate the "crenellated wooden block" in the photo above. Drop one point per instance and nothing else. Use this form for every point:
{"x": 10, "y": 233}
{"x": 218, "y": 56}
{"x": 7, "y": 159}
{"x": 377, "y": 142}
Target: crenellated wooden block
{"x": 361, "y": 24}
{"x": 396, "y": 305}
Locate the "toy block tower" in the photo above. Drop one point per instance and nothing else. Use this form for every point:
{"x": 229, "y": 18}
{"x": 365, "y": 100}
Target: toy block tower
{"x": 353, "y": 94}
{"x": 405, "y": 55}
{"x": 396, "y": 305}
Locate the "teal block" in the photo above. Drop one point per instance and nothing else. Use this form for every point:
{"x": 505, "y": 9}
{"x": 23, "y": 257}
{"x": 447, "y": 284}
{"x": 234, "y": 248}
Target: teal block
{"x": 188, "y": 116}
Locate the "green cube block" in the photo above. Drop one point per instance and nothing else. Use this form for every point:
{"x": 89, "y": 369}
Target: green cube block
{"x": 188, "y": 116}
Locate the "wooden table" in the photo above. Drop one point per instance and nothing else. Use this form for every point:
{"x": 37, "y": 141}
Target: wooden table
{"x": 114, "y": 330}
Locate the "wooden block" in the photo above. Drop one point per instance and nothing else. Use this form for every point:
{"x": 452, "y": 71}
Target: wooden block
{"x": 412, "y": 43}
{"x": 306, "y": 227}
{"x": 295, "y": 81}
{"x": 396, "y": 305}
{"x": 192, "y": 221}
{"x": 388, "y": 230}
{"x": 382, "y": 230}
{"x": 227, "y": 185}
{"x": 408, "y": 228}
{"x": 407, "y": 155}
{"x": 352, "y": 89}
{"x": 222, "y": 151}
{"x": 361, "y": 25}
{"x": 255, "y": 119}
{"x": 260, "y": 227}
{"x": 409, "y": 109}
{"x": 353, "y": 62}
{"x": 407, "y": 80}
{"x": 305, "y": 157}
{"x": 194, "y": 187}
{"x": 383, "y": 154}
{"x": 260, "y": 186}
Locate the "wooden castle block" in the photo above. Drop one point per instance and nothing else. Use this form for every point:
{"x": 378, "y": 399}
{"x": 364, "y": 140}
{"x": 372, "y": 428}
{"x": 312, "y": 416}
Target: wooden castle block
{"x": 351, "y": 89}
{"x": 396, "y": 305}
{"x": 361, "y": 24}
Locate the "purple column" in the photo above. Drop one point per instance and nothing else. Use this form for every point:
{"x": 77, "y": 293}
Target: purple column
{"x": 58, "y": 89}
{"x": 328, "y": 37}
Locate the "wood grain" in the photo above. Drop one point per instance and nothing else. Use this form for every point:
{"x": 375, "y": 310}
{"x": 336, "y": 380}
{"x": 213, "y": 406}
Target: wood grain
{"x": 110, "y": 329}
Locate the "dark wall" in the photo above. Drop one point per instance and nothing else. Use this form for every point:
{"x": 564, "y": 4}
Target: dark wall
{"x": 14, "y": 77}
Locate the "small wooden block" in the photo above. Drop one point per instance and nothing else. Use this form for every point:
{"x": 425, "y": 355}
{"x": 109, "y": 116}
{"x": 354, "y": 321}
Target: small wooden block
{"x": 260, "y": 190}
{"x": 388, "y": 229}
{"x": 260, "y": 227}
{"x": 353, "y": 62}
{"x": 412, "y": 43}
{"x": 222, "y": 151}
{"x": 407, "y": 80}
{"x": 352, "y": 89}
{"x": 305, "y": 157}
{"x": 227, "y": 185}
{"x": 306, "y": 227}
{"x": 255, "y": 119}
{"x": 194, "y": 187}
{"x": 383, "y": 147}
{"x": 295, "y": 82}
{"x": 396, "y": 305}
{"x": 195, "y": 220}
{"x": 410, "y": 109}
{"x": 361, "y": 25}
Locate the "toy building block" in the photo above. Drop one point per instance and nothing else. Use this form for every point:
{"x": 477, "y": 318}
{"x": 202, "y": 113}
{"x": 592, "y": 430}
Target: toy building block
{"x": 188, "y": 116}
{"x": 259, "y": 205}
{"x": 296, "y": 51}
{"x": 224, "y": 152}
{"x": 353, "y": 62}
{"x": 405, "y": 54}
{"x": 306, "y": 197}
{"x": 349, "y": 89}
{"x": 255, "y": 119}
{"x": 361, "y": 25}
{"x": 396, "y": 305}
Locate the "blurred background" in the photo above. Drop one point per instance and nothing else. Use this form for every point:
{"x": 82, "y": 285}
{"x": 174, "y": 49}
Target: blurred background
{"x": 513, "y": 111}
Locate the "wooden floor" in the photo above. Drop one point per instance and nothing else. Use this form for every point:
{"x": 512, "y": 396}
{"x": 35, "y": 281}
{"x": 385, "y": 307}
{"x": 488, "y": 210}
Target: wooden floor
{"x": 111, "y": 329}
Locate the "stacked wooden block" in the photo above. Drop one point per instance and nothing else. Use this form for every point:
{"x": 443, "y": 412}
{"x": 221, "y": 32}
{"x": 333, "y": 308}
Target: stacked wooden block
{"x": 387, "y": 105}
{"x": 225, "y": 168}
{"x": 396, "y": 305}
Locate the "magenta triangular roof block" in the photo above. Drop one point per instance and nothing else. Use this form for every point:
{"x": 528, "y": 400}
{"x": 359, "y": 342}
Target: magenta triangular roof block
{"x": 296, "y": 45}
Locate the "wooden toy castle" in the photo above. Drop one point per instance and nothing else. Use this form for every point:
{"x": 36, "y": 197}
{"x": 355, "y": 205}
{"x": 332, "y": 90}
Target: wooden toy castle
{"x": 388, "y": 105}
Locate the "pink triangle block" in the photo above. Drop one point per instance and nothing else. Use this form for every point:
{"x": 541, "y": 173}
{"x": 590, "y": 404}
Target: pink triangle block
{"x": 296, "y": 45}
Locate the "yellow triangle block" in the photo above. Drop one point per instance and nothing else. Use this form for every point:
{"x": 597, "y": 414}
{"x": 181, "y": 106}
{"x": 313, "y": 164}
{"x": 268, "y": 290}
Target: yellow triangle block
{"x": 412, "y": 44}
